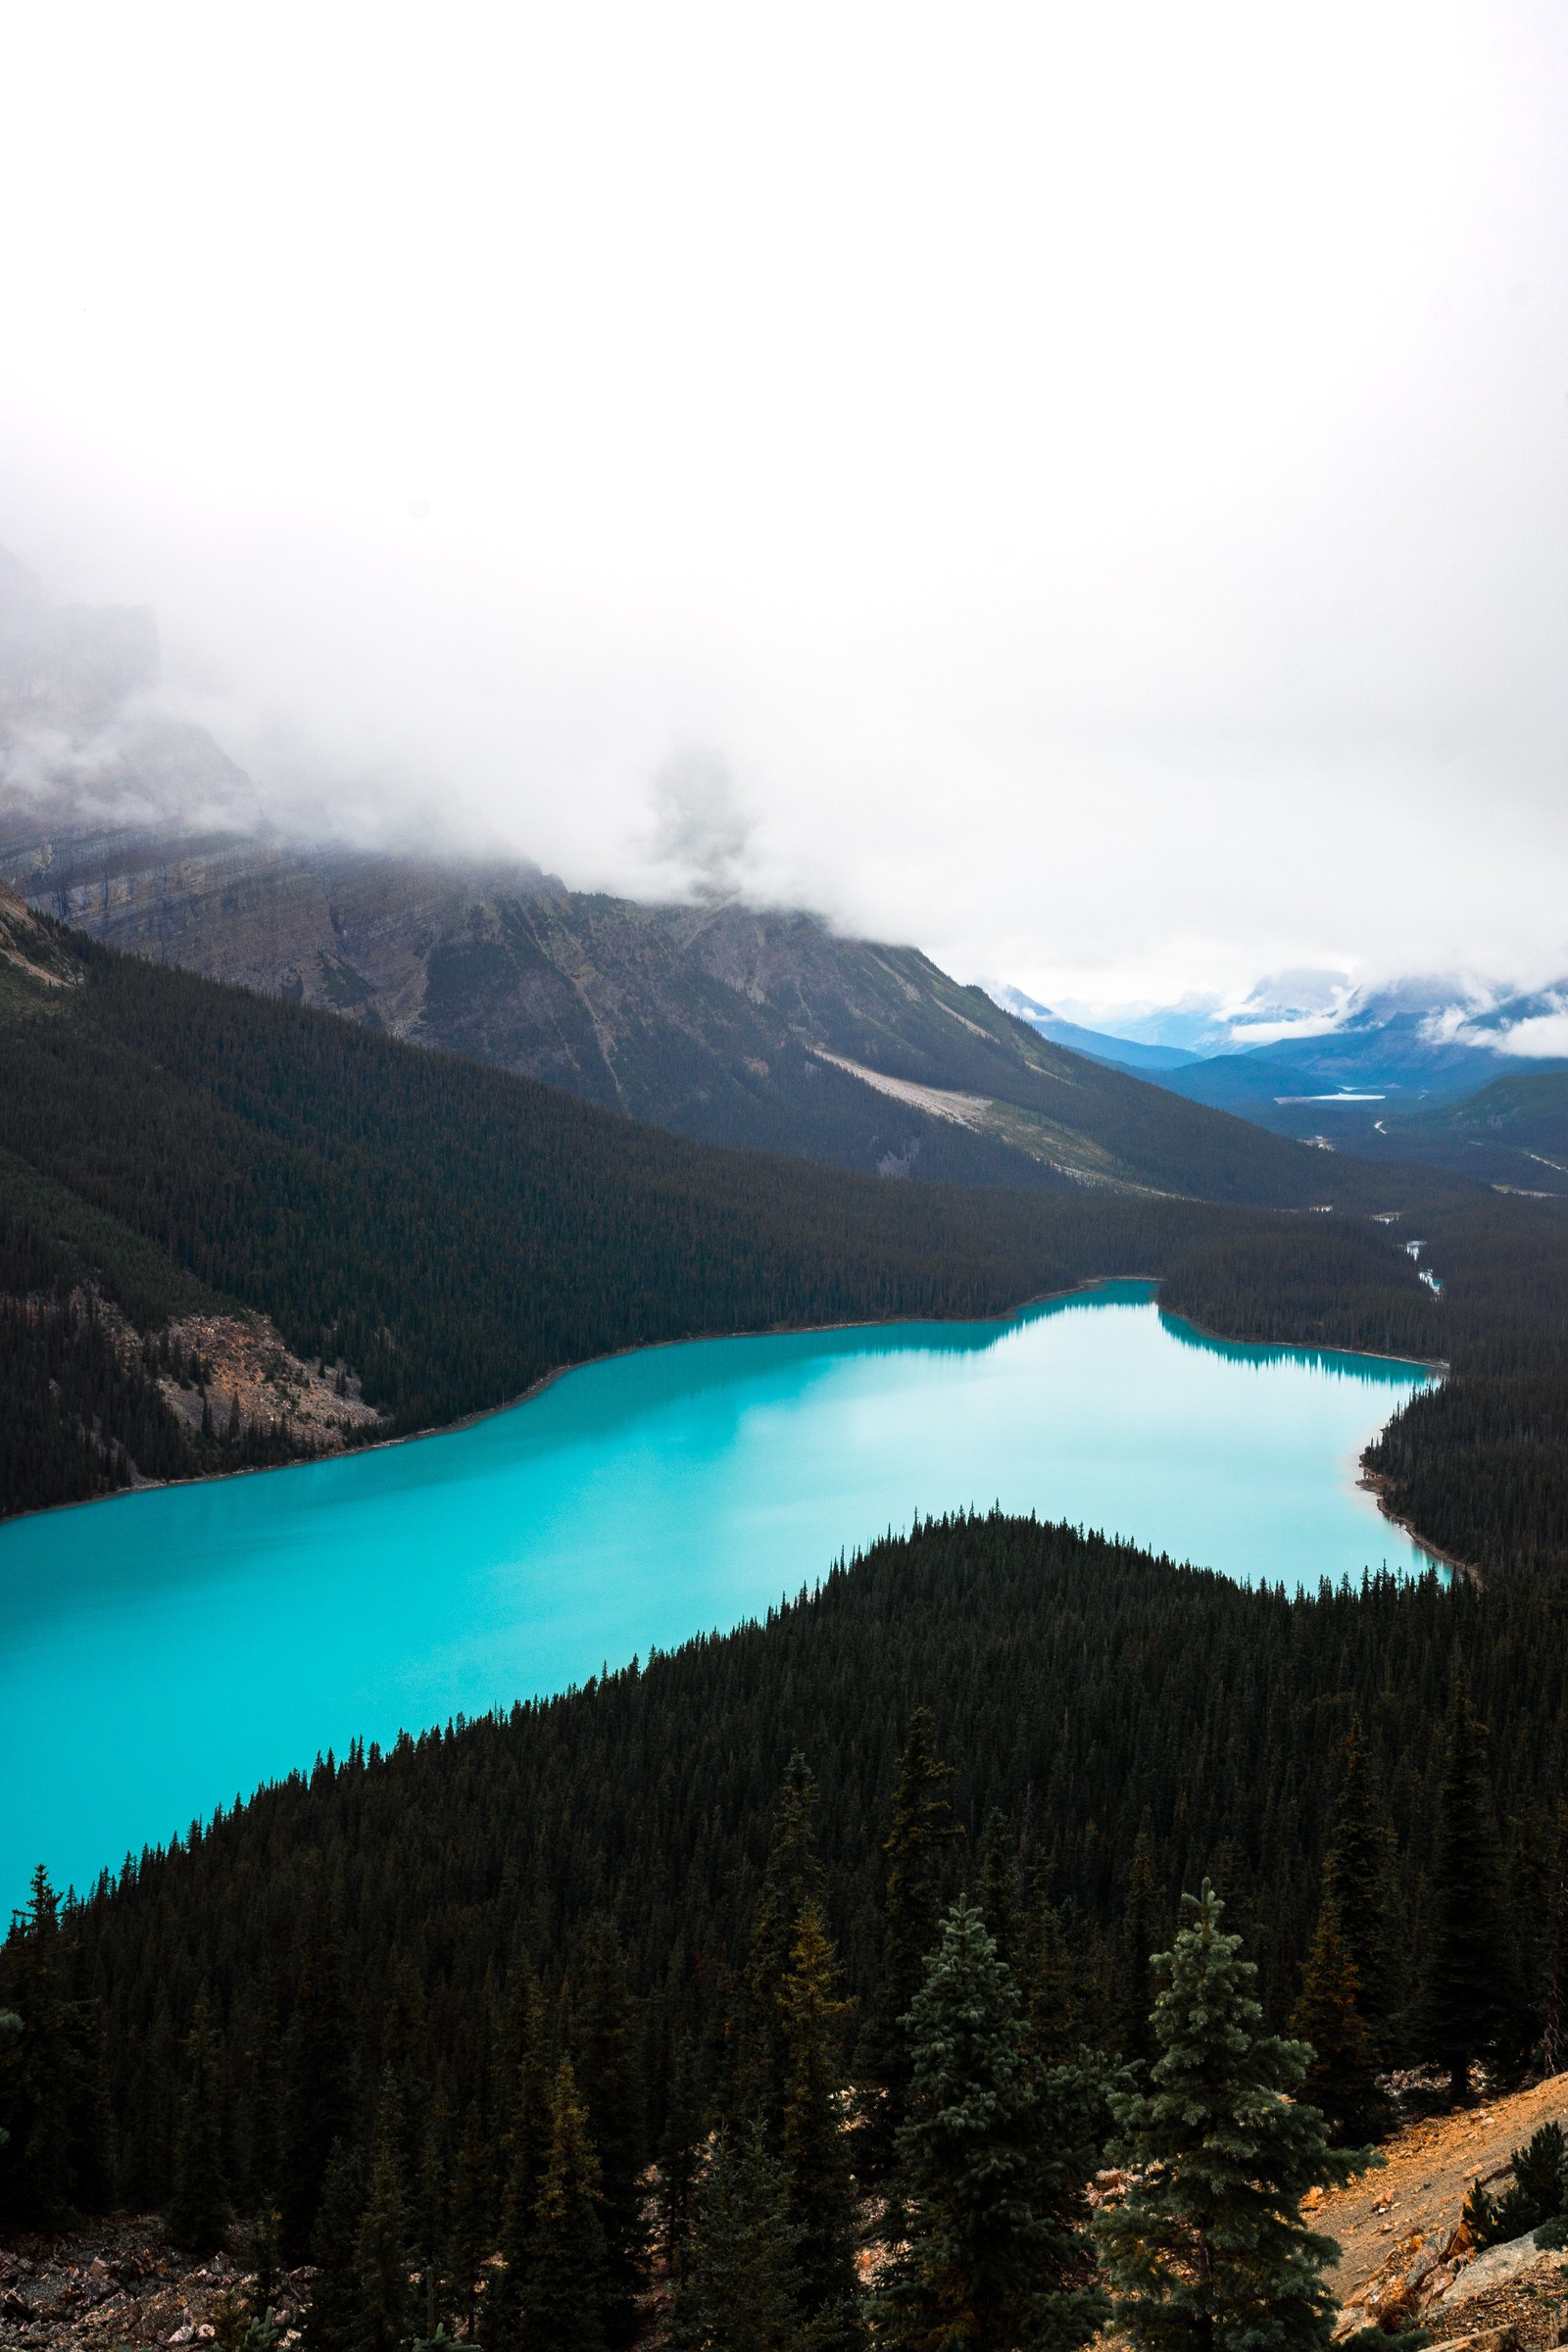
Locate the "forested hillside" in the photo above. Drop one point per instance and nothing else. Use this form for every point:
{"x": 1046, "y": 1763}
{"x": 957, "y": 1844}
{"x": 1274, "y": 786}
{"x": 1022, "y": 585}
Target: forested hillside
{"x": 413, "y": 1943}
{"x": 450, "y": 1234}
{"x": 444, "y": 1233}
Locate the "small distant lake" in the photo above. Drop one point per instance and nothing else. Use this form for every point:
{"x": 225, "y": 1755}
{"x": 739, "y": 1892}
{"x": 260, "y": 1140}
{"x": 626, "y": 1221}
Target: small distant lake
{"x": 161, "y": 1651}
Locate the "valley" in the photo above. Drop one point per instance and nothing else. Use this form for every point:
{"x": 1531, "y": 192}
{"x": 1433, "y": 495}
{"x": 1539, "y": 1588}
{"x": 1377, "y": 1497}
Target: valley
{"x": 987, "y": 1320}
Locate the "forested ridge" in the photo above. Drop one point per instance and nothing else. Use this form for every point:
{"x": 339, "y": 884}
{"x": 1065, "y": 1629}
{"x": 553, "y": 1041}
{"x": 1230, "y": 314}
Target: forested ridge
{"x": 401, "y": 1948}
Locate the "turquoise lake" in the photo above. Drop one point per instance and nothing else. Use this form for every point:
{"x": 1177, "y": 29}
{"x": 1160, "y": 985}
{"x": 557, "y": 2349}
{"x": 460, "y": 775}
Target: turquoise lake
{"x": 164, "y": 1650}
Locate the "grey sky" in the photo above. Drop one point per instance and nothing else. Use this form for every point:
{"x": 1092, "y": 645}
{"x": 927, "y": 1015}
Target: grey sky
{"x": 1082, "y": 487}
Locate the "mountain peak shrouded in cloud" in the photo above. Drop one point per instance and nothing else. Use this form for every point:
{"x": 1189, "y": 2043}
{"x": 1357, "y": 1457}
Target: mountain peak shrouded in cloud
{"x": 67, "y": 668}
{"x": 701, "y": 831}
{"x": 1099, "y": 476}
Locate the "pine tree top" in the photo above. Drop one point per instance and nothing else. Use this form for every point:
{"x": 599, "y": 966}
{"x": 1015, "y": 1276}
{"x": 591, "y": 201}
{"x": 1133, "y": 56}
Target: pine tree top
{"x": 1209, "y": 2249}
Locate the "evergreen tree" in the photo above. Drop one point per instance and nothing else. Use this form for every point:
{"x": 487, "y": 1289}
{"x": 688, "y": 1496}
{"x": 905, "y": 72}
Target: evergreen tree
{"x": 385, "y": 2319}
{"x": 1049, "y": 1977}
{"x": 992, "y": 2156}
{"x": 1142, "y": 1934}
{"x": 525, "y": 2150}
{"x": 261, "y": 2100}
{"x": 1465, "y": 1985}
{"x": 433, "y": 2203}
{"x": 1209, "y": 2252}
{"x": 471, "y": 2238}
{"x": 609, "y": 2077}
{"x": 332, "y": 2323}
{"x": 317, "y": 2104}
{"x": 1536, "y": 2193}
{"x": 996, "y": 1884}
{"x": 916, "y": 1848}
{"x": 737, "y": 2291}
{"x": 792, "y": 1880}
{"x": 568, "y": 2274}
{"x": 10, "y": 2031}
{"x": 822, "y": 2193}
{"x": 1358, "y": 1875}
{"x": 50, "y": 2077}
{"x": 199, "y": 2209}
{"x": 1341, "y": 2080}
{"x": 678, "y": 2151}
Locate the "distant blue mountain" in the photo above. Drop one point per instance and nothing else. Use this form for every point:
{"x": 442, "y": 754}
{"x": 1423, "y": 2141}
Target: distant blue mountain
{"x": 1389, "y": 1055}
{"x": 1121, "y": 1052}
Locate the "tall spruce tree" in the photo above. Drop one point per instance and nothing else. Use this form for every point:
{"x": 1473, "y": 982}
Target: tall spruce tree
{"x": 1141, "y": 1931}
{"x": 525, "y": 2152}
{"x": 318, "y": 2086}
{"x": 10, "y": 2031}
{"x": 738, "y": 2285}
{"x": 568, "y": 2275}
{"x": 994, "y": 2155}
{"x": 1466, "y": 1984}
{"x": 1209, "y": 2252}
{"x": 1341, "y": 2079}
{"x": 996, "y": 1884}
{"x": 333, "y": 2323}
{"x": 916, "y": 1848}
{"x": 608, "y": 2071}
{"x": 385, "y": 2316}
{"x": 50, "y": 2083}
{"x": 816, "y": 2165}
{"x": 792, "y": 1880}
{"x": 198, "y": 2212}
{"x": 1358, "y": 1875}
{"x": 1048, "y": 1976}
{"x": 471, "y": 2237}
{"x": 679, "y": 2161}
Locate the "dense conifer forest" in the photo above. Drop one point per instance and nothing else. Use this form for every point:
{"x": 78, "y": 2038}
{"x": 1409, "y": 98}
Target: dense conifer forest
{"x": 405, "y": 1956}
{"x": 530, "y": 2008}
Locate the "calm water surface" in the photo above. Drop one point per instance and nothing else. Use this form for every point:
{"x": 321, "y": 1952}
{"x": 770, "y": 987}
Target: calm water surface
{"x": 164, "y": 1651}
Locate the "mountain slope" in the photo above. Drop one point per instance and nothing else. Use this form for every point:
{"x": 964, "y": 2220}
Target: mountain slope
{"x": 732, "y": 1025}
{"x": 1512, "y": 1134}
{"x": 436, "y": 1233}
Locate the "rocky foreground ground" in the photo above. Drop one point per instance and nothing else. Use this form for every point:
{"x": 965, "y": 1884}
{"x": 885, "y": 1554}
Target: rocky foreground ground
{"x": 121, "y": 2283}
{"x": 1407, "y": 2259}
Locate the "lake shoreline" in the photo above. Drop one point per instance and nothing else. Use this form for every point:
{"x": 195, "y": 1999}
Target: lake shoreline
{"x": 548, "y": 1379}
{"x": 694, "y": 1339}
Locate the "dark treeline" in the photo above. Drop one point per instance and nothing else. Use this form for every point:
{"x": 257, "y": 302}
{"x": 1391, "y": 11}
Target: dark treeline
{"x": 378, "y": 1948}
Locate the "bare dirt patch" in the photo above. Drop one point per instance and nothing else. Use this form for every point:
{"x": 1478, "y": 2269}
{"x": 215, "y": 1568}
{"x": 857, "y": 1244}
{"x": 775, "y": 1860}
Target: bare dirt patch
{"x": 244, "y": 1360}
{"x": 1398, "y": 2228}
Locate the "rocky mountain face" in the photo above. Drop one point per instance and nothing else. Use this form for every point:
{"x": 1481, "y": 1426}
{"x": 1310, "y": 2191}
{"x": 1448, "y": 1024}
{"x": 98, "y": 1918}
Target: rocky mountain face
{"x": 732, "y": 1024}
{"x": 738, "y": 1025}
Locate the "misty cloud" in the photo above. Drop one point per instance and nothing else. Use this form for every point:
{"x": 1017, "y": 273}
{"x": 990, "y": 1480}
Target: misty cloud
{"x": 1100, "y": 474}
{"x": 700, "y": 828}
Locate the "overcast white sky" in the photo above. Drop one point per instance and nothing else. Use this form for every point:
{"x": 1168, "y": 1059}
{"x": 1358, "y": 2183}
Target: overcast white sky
{"x": 1082, "y": 487}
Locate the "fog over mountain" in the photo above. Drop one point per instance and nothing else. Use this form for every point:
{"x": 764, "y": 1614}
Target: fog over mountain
{"x": 1085, "y": 496}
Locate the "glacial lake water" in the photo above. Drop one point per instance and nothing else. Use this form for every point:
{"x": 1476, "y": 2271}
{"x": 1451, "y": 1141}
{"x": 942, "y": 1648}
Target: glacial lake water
{"x": 164, "y": 1651}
